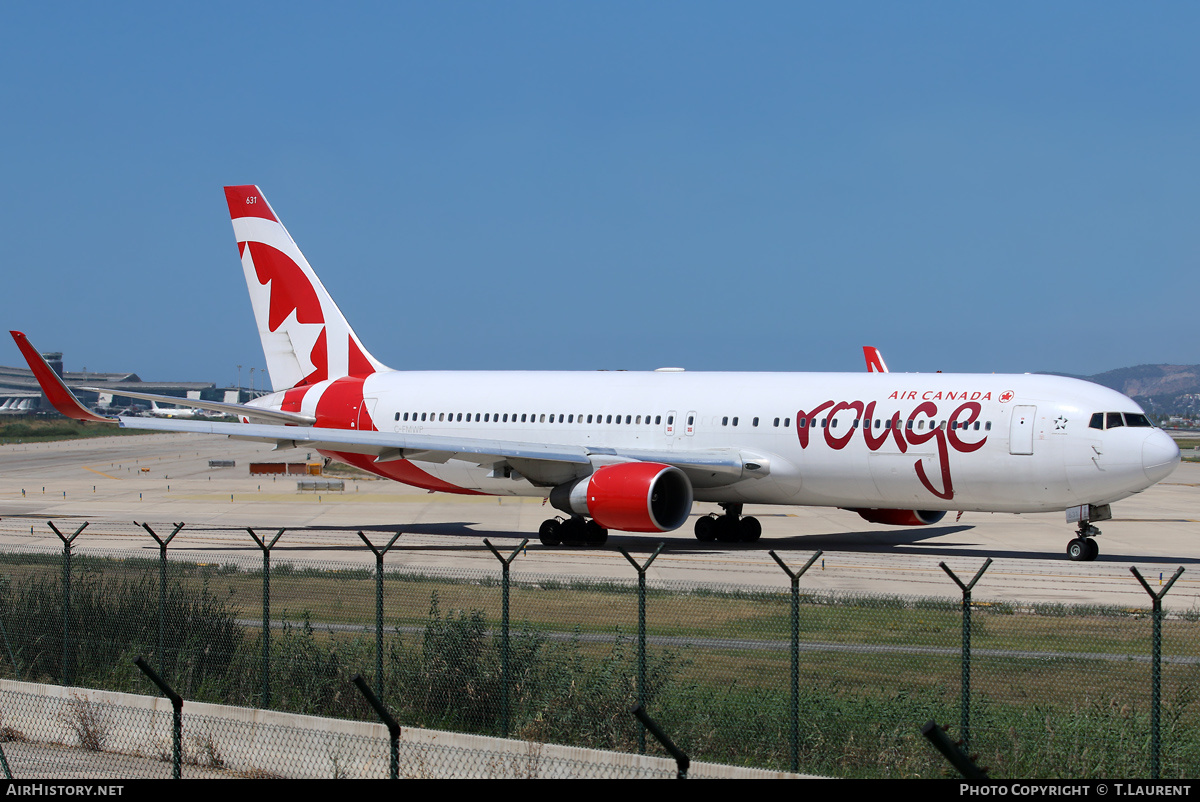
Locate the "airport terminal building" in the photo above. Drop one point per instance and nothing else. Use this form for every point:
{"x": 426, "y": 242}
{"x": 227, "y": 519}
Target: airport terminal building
{"x": 21, "y": 395}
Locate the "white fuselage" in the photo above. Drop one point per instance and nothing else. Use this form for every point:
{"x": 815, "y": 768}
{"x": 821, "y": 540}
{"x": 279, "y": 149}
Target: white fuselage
{"x": 1004, "y": 443}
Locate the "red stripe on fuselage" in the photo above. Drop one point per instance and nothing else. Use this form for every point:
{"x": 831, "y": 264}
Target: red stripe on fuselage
{"x": 338, "y": 408}
{"x": 401, "y": 471}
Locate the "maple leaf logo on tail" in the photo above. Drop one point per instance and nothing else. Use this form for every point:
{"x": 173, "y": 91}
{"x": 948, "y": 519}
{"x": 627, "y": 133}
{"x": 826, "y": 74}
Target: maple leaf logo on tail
{"x": 305, "y": 337}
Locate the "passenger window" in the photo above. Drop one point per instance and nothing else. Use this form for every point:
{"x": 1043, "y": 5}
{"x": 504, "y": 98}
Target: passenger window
{"x": 735, "y": 420}
{"x": 777, "y": 422}
{"x": 787, "y": 422}
{"x": 725, "y": 421}
{"x": 754, "y": 422}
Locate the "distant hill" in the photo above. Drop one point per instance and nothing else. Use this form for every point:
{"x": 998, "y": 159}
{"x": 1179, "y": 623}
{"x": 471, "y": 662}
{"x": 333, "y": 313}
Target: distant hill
{"x": 1161, "y": 389}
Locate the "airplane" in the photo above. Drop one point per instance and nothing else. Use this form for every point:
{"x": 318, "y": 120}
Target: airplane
{"x": 156, "y": 411}
{"x": 633, "y": 451}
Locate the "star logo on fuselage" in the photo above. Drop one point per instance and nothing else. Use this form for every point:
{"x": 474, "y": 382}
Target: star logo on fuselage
{"x": 1060, "y": 423}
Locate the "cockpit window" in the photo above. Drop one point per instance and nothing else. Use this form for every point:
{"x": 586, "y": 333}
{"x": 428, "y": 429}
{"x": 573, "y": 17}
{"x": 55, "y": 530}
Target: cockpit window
{"x": 1111, "y": 420}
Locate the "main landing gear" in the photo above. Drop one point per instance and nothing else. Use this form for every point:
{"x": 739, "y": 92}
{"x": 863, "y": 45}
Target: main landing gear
{"x": 573, "y": 531}
{"x": 730, "y": 527}
{"x": 1082, "y": 548}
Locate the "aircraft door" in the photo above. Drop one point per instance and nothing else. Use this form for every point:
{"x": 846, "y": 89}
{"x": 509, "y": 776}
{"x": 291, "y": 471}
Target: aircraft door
{"x": 366, "y": 412}
{"x": 670, "y": 430}
{"x": 1020, "y": 430}
{"x": 689, "y": 424}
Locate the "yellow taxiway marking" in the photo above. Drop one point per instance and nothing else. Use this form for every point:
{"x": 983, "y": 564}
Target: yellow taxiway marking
{"x": 102, "y": 473}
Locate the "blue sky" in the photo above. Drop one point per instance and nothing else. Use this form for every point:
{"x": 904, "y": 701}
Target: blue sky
{"x": 752, "y": 186}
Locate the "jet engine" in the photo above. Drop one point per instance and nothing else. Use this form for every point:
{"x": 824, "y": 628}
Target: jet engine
{"x": 630, "y": 496}
{"x": 903, "y": 517}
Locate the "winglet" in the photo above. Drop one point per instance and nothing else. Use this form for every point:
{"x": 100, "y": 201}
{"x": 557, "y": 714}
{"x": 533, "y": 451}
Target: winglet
{"x": 57, "y": 393}
{"x": 875, "y": 363}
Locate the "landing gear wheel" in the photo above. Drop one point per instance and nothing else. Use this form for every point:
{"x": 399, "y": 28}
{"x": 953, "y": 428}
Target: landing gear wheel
{"x": 550, "y": 532}
{"x": 728, "y": 529}
{"x": 751, "y": 529}
{"x": 706, "y": 528}
{"x": 1093, "y": 550}
{"x": 573, "y": 530}
{"x": 1078, "y": 549}
{"x": 594, "y": 534}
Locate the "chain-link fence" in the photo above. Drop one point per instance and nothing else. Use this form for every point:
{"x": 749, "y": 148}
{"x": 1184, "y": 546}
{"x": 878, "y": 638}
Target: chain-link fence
{"x": 1055, "y": 691}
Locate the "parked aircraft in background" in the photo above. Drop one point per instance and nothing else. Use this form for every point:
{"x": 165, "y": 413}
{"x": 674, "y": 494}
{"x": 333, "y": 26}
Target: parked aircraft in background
{"x": 156, "y": 411}
{"x": 633, "y": 450}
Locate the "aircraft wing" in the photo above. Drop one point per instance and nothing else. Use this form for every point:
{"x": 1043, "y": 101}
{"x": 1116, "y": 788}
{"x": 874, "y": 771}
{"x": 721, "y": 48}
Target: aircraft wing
{"x": 875, "y": 363}
{"x": 252, "y": 412}
{"x": 59, "y": 395}
{"x": 56, "y": 392}
{"x": 290, "y": 430}
{"x": 724, "y": 465}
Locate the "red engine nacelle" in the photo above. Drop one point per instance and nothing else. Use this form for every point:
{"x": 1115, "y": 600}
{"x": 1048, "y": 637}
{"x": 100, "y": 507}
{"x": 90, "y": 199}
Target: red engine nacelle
{"x": 903, "y": 517}
{"x": 631, "y": 496}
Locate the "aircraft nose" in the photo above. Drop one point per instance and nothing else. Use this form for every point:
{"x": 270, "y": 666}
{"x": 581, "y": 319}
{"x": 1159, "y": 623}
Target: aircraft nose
{"x": 1160, "y": 455}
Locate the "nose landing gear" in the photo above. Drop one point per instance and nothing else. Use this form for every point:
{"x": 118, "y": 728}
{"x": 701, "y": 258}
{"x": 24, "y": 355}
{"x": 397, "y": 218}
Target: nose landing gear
{"x": 1082, "y": 548}
{"x": 731, "y": 527}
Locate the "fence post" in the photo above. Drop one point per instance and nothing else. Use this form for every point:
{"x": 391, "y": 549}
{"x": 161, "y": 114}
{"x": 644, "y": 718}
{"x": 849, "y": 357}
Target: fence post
{"x": 378, "y": 607}
{"x": 795, "y": 578}
{"x": 1156, "y": 667}
{"x": 682, "y": 761}
{"x": 386, "y": 717}
{"x": 177, "y": 721}
{"x": 266, "y": 625}
{"x": 965, "y": 713}
{"x": 67, "y": 541}
{"x": 162, "y": 586}
{"x": 504, "y": 678}
{"x": 641, "y": 571}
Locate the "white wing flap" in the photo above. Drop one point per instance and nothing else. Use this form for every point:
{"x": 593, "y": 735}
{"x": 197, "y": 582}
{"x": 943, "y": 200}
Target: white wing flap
{"x": 432, "y": 448}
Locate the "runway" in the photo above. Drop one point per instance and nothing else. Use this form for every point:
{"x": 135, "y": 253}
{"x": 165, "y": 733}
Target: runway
{"x": 166, "y": 478}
